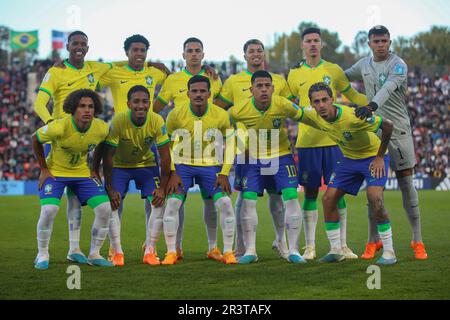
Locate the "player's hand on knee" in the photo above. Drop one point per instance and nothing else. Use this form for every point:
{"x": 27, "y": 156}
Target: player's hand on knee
{"x": 223, "y": 182}
{"x": 173, "y": 184}
{"x": 114, "y": 198}
{"x": 376, "y": 167}
{"x": 45, "y": 174}
{"x": 158, "y": 197}
{"x": 210, "y": 71}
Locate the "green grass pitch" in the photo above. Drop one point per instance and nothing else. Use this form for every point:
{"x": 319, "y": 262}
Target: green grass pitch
{"x": 199, "y": 278}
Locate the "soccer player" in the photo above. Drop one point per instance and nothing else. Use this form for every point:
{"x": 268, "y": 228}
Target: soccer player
{"x": 384, "y": 75}
{"x": 201, "y": 125}
{"x": 175, "y": 89}
{"x": 57, "y": 84}
{"x": 318, "y": 153}
{"x": 264, "y": 115}
{"x": 236, "y": 89}
{"x": 72, "y": 138}
{"x": 120, "y": 79}
{"x": 129, "y": 145}
{"x": 364, "y": 158}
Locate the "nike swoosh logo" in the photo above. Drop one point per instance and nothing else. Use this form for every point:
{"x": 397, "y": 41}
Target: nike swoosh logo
{"x": 65, "y": 148}
{"x": 181, "y": 91}
{"x": 402, "y": 164}
{"x": 366, "y": 74}
{"x": 245, "y": 89}
{"x": 70, "y": 83}
{"x": 123, "y": 81}
{"x": 301, "y": 84}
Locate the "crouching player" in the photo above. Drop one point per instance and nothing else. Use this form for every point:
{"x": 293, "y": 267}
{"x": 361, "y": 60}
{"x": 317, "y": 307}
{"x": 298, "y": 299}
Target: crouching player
{"x": 72, "y": 138}
{"x": 127, "y": 155}
{"x": 364, "y": 158}
{"x": 200, "y": 126}
{"x": 270, "y": 156}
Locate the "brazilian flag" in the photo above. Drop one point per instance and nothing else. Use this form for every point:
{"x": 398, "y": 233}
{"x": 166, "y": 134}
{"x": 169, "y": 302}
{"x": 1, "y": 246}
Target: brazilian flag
{"x": 23, "y": 39}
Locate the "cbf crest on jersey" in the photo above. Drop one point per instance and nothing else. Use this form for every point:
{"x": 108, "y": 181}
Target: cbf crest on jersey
{"x": 382, "y": 79}
{"x": 149, "y": 80}
{"x": 148, "y": 140}
{"x": 91, "y": 78}
{"x": 91, "y": 147}
{"x": 327, "y": 80}
{"x": 276, "y": 123}
{"x": 347, "y": 135}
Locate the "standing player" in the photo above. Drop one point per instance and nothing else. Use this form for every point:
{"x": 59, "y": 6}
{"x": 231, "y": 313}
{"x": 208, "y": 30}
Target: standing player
{"x": 57, "y": 84}
{"x": 364, "y": 158}
{"x": 236, "y": 89}
{"x": 120, "y": 79}
{"x": 129, "y": 142}
{"x": 72, "y": 138}
{"x": 384, "y": 76}
{"x": 175, "y": 89}
{"x": 200, "y": 122}
{"x": 264, "y": 115}
{"x": 317, "y": 153}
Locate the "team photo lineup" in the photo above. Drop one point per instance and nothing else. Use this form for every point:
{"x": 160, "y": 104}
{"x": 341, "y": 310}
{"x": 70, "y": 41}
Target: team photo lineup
{"x": 171, "y": 131}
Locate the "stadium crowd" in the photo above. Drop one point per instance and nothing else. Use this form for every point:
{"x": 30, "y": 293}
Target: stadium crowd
{"x": 428, "y": 102}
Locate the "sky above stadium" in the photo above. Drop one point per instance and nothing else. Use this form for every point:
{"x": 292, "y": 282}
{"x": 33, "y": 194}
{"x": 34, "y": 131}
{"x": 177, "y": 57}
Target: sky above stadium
{"x": 223, "y": 26}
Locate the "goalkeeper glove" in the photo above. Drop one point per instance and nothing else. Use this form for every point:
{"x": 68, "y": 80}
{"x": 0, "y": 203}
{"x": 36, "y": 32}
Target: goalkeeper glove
{"x": 365, "y": 112}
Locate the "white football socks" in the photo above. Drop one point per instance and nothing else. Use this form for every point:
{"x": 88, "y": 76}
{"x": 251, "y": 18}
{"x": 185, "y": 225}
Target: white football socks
{"x": 74, "y": 221}
{"x": 249, "y": 220}
{"x": 239, "y": 243}
{"x": 227, "y": 222}
{"x": 114, "y": 231}
{"x": 210, "y": 219}
{"x": 277, "y": 210}
{"x": 171, "y": 223}
{"x": 100, "y": 228}
{"x": 179, "y": 239}
{"x": 44, "y": 229}
{"x": 293, "y": 224}
{"x": 154, "y": 228}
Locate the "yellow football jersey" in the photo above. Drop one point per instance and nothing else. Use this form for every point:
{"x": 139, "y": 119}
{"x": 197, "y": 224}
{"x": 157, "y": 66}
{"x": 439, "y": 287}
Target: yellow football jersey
{"x": 263, "y": 144}
{"x": 133, "y": 143}
{"x": 198, "y": 134}
{"x": 70, "y": 147}
{"x": 237, "y": 87}
{"x": 301, "y": 79}
{"x": 58, "y": 83}
{"x": 121, "y": 79}
{"x": 175, "y": 88}
{"x": 355, "y": 137}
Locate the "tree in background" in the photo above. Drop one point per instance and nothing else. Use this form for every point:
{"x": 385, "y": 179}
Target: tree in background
{"x": 288, "y": 46}
{"x": 429, "y": 51}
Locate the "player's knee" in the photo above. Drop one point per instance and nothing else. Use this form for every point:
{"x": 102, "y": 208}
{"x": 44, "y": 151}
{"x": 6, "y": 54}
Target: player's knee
{"x": 103, "y": 210}
{"x": 225, "y": 205}
{"x": 329, "y": 200}
{"x": 172, "y": 207}
{"x": 376, "y": 203}
{"x": 49, "y": 211}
